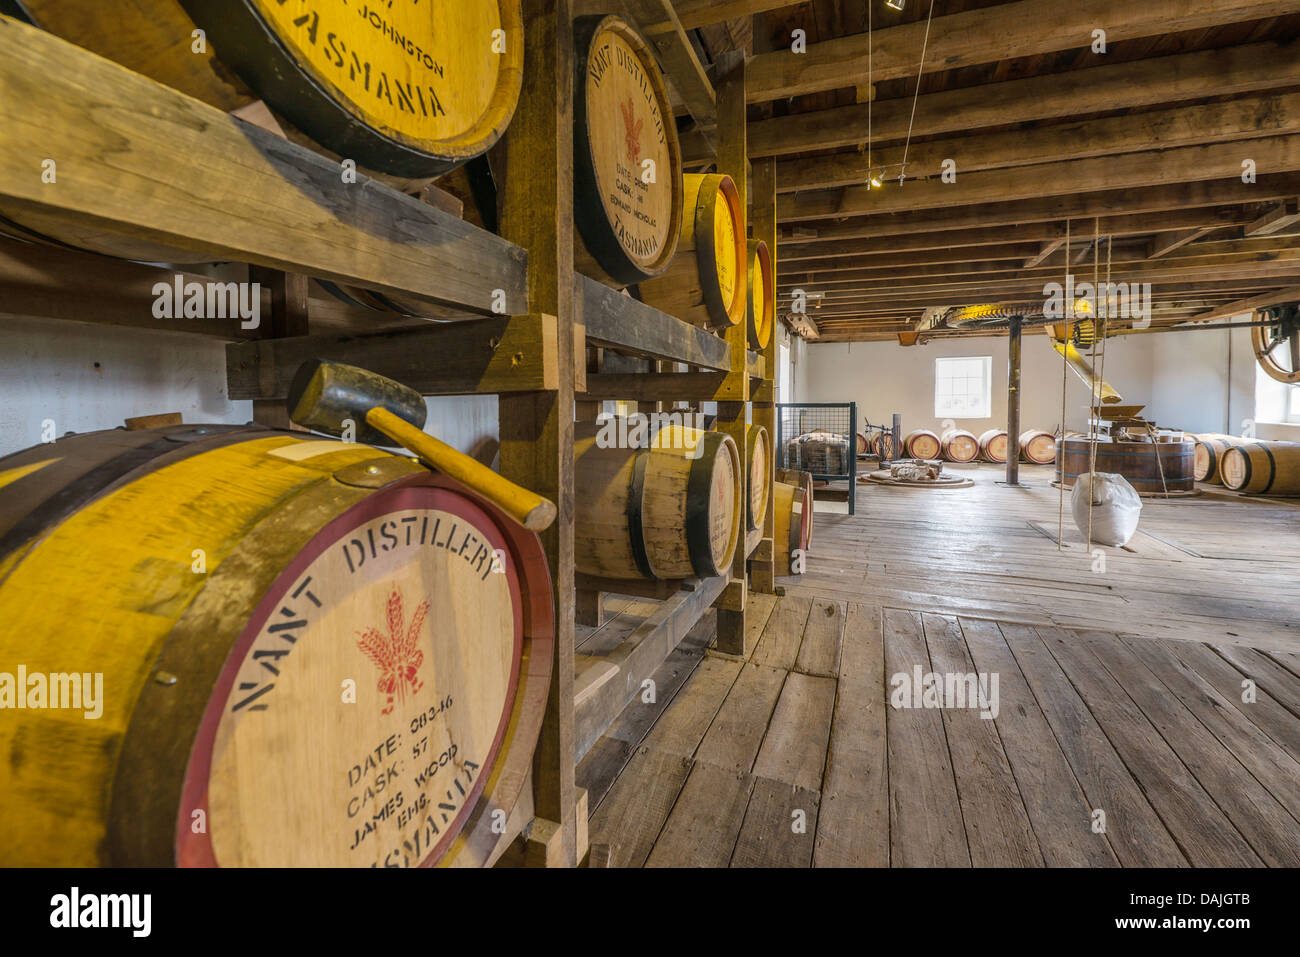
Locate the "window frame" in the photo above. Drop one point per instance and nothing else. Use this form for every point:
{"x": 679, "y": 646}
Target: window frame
{"x": 986, "y": 364}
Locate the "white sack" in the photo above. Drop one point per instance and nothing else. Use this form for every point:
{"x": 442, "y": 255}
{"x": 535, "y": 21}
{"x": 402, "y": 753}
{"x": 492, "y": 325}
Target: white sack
{"x": 1116, "y": 507}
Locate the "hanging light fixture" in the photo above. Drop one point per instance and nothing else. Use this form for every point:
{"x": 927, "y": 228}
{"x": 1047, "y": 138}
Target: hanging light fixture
{"x": 875, "y": 181}
{"x": 895, "y": 4}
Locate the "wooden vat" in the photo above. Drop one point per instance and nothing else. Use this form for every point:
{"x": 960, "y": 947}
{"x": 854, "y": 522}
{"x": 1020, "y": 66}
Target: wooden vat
{"x": 993, "y": 446}
{"x": 1264, "y": 468}
{"x": 959, "y": 446}
{"x": 627, "y": 176}
{"x": 1136, "y": 461}
{"x": 277, "y": 620}
{"x": 668, "y": 507}
{"x": 705, "y": 284}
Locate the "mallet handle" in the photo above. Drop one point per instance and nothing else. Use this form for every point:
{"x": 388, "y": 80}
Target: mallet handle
{"x": 527, "y": 508}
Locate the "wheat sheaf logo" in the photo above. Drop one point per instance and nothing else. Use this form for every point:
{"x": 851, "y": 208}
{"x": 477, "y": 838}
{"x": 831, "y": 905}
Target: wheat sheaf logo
{"x": 396, "y": 654}
{"x": 631, "y": 130}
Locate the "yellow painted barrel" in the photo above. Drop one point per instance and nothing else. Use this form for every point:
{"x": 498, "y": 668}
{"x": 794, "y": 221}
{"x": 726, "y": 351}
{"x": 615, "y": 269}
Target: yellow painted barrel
{"x": 627, "y": 165}
{"x": 243, "y": 647}
{"x": 662, "y": 503}
{"x": 760, "y": 311}
{"x": 792, "y": 526}
{"x": 407, "y": 88}
{"x": 759, "y": 466}
{"x": 705, "y": 284}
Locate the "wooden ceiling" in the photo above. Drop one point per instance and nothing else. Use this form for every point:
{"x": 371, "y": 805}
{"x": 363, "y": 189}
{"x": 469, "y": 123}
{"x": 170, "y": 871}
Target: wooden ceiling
{"x": 1141, "y": 146}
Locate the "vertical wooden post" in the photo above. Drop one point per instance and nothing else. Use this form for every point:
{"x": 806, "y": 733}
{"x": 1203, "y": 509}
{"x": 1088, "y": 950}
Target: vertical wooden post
{"x": 733, "y": 155}
{"x": 762, "y": 570}
{"x": 537, "y": 428}
{"x": 1013, "y": 402}
{"x": 288, "y": 318}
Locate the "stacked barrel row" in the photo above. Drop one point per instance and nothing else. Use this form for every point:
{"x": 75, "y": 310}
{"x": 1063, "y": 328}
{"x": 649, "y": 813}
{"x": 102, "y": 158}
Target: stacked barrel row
{"x": 409, "y": 118}
{"x": 958, "y": 445}
{"x": 1244, "y": 464}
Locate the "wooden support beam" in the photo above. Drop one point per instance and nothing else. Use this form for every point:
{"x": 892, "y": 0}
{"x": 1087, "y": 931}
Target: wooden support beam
{"x": 733, "y": 158}
{"x": 701, "y": 13}
{"x": 657, "y": 386}
{"x": 281, "y": 205}
{"x": 1003, "y": 32}
{"x": 1138, "y": 83}
{"x": 621, "y": 322}
{"x": 505, "y": 354}
{"x": 1272, "y": 155}
{"x": 1045, "y": 249}
{"x": 1284, "y": 216}
{"x": 1122, "y": 212}
{"x": 537, "y": 428}
{"x": 1249, "y": 305}
{"x": 288, "y": 295}
{"x": 1166, "y": 243}
{"x": 1232, "y": 121}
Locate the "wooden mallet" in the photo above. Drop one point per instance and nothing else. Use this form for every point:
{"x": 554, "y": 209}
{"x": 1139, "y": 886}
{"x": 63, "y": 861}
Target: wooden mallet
{"x": 326, "y": 396}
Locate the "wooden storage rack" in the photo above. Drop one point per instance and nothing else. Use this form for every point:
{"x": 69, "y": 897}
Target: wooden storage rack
{"x": 138, "y": 159}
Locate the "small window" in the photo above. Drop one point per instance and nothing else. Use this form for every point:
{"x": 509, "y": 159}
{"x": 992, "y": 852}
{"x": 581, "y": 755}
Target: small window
{"x": 963, "y": 387}
{"x": 1293, "y": 404}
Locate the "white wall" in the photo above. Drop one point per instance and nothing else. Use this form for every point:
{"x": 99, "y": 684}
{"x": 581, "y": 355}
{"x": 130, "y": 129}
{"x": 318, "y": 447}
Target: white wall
{"x": 87, "y": 377}
{"x": 1201, "y": 381}
{"x": 884, "y": 378}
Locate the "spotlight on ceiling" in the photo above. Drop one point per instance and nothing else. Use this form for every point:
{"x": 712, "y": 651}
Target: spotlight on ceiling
{"x": 895, "y": 4}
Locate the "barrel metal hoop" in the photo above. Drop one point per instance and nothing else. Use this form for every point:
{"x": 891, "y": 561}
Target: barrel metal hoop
{"x": 1272, "y": 467}
{"x": 635, "y": 504}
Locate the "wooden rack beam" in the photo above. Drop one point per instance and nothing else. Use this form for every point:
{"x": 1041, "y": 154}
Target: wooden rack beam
{"x": 282, "y": 206}
{"x": 621, "y": 322}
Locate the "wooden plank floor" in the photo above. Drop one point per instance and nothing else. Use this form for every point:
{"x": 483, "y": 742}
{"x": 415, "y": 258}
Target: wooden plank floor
{"x": 1139, "y": 720}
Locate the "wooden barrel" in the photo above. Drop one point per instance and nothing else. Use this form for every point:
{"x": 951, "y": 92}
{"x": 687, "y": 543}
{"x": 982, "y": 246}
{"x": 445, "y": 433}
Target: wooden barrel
{"x": 627, "y": 174}
{"x": 1038, "y": 448}
{"x": 759, "y": 467}
{"x": 792, "y": 523}
{"x": 864, "y": 444}
{"x": 706, "y": 287}
{"x": 922, "y": 444}
{"x": 407, "y": 89}
{"x": 302, "y": 652}
{"x": 761, "y": 303}
{"x": 1210, "y": 448}
{"x": 803, "y": 481}
{"x": 993, "y": 446}
{"x": 667, "y": 505}
{"x": 1136, "y": 461}
{"x": 1264, "y": 468}
{"x": 959, "y": 445}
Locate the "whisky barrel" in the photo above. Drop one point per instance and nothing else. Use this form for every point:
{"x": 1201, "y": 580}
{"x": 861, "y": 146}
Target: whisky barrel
{"x": 761, "y": 304}
{"x": 667, "y": 505}
{"x": 882, "y": 445}
{"x": 864, "y": 444}
{"x": 1037, "y": 447}
{"x": 922, "y": 444}
{"x": 1264, "y": 468}
{"x": 803, "y": 481}
{"x": 959, "y": 445}
{"x": 993, "y": 446}
{"x": 705, "y": 284}
{"x": 792, "y": 523}
{"x": 1210, "y": 447}
{"x": 759, "y": 467}
{"x": 313, "y": 653}
{"x": 407, "y": 89}
{"x": 1136, "y": 461}
{"x": 627, "y": 174}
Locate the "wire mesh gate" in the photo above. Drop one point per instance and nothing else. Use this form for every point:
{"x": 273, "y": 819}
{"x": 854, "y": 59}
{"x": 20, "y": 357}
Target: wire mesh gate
{"x": 821, "y": 438}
